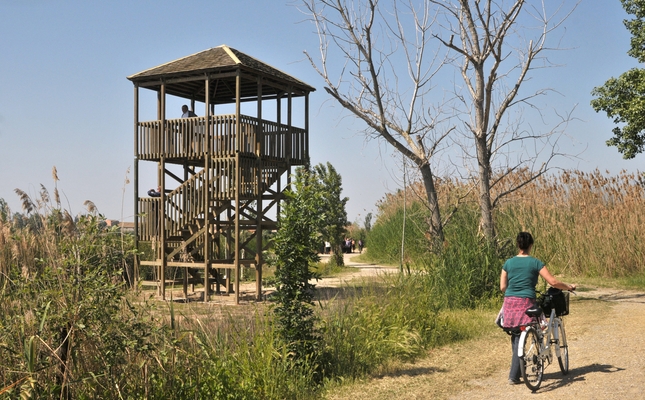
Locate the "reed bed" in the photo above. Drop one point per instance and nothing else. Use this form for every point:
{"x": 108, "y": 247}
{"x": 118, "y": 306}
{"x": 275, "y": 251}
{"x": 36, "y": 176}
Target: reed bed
{"x": 585, "y": 223}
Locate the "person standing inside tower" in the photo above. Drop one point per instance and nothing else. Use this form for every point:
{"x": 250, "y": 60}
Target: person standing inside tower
{"x": 186, "y": 113}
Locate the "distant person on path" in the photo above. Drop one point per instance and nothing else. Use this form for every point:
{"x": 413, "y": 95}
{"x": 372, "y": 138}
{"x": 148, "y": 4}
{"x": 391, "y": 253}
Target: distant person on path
{"x": 348, "y": 245}
{"x": 186, "y": 113}
{"x": 327, "y": 247}
{"x": 360, "y": 246}
{"x": 517, "y": 281}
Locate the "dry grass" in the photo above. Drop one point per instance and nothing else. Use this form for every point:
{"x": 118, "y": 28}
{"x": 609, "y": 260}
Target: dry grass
{"x": 585, "y": 223}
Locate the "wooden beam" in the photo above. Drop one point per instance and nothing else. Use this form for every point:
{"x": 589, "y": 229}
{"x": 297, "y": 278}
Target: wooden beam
{"x": 207, "y": 196}
{"x": 157, "y": 82}
{"x": 162, "y": 203}
{"x": 136, "y": 184}
{"x": 238, "y": 187}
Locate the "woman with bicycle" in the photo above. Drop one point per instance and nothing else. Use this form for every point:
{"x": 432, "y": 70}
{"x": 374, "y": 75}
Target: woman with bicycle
{"x": 517, "y": 281}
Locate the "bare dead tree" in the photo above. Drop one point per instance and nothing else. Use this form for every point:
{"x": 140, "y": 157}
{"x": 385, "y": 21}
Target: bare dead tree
{"x": 495, "y": 45}
{"x": 365, "y": 45}
{"x": 365, "y": 50}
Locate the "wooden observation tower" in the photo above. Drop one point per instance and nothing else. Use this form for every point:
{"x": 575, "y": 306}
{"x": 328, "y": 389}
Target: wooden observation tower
{"x": 222, "y": 176}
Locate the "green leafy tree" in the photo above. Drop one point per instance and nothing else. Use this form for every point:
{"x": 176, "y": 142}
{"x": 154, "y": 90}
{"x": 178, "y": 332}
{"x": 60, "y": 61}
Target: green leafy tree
{"x": 623, "y": 98}
{"x": 334, "y": 215}
{"x": 295, "y": 245}
{"x": 368, "y": 222}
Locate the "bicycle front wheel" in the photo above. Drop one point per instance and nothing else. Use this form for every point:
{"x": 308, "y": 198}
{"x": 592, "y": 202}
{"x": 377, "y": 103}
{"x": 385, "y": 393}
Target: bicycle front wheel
{"x": 563, "y": 358}
{"x": 531, "y": 364}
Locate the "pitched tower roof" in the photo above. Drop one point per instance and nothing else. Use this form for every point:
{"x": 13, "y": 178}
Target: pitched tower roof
{"x": 184, "y": 77}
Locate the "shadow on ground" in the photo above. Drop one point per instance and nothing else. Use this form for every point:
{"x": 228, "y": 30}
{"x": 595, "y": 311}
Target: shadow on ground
{"x": 555, "y": 380}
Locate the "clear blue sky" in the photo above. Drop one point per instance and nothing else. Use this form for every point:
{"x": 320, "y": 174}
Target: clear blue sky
{"x": 65, "y": 100}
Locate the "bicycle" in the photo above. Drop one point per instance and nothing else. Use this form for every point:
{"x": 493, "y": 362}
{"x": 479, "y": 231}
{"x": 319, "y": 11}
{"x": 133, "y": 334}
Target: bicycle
{"x": 537, "y": 340}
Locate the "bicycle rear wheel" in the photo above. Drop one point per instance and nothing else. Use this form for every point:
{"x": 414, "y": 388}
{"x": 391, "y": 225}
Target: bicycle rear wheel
{"x": 563, "y": 358}
{"x": 531, "y": 364}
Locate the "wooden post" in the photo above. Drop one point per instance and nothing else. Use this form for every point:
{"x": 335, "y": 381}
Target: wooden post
{"x": 228, "y": 236}
{"x": 238, "y": 147}
{"x": 279, "y": 122}
{"x": 260, "y": 212}
{"x": 289, "y": 154}
{"x": 186, "y": 208}
{"x": 162, "y": 200}
{"x": 306, "y": 142}
{"x": 207, "y": 197}
{"x": 136, "y": 184}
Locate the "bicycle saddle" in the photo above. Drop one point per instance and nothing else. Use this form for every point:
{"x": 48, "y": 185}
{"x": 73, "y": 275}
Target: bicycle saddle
{"x": 534, "y": 311}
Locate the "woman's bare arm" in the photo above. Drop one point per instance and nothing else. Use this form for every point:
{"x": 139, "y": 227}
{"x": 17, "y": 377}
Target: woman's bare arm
{"x": 503, "y": 281}
{"x": 551, "y": 280}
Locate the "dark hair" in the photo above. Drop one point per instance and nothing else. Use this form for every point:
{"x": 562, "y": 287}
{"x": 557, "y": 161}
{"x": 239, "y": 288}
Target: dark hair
{"x": 524, "y": 240}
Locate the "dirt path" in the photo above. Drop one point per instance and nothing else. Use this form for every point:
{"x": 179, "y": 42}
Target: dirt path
{"x": 362, "y": 271}
{"x": 607, "y": 360}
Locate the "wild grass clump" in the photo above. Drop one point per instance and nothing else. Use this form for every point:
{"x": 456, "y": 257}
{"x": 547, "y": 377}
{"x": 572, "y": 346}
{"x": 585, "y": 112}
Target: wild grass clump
{"x": 66, "y": 323}
{"x": 363, "y": 333}
{"x": 465, "y": 274}
{"x": 230, "y": 357}
{"x": 394, "y": 320}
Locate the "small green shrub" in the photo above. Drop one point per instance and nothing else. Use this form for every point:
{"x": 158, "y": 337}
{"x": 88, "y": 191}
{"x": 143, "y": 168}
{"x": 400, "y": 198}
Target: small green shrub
{"x": 295, "y": 247}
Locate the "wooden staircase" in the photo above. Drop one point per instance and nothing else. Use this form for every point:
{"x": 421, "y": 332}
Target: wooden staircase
{"x": 186, "y": 208}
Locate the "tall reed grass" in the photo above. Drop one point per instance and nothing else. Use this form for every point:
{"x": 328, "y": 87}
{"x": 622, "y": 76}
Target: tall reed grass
{"x": 71, "y": 328}
{"x": 584, "y": 223}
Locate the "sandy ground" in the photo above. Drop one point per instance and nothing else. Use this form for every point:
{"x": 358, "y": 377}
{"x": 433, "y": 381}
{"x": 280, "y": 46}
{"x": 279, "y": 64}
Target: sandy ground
{"x": 248, "y": 290}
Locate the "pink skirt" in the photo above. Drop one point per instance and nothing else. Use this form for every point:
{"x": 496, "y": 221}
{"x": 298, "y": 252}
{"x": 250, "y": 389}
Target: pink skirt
{"x": 514, "y": 308}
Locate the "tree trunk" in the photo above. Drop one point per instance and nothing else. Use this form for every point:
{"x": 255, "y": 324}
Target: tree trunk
{"x": 63, "y": 353}
{"x": 436, "y": 226}
{"x": 486, "y": 223}
{"x": 337, "y": 254}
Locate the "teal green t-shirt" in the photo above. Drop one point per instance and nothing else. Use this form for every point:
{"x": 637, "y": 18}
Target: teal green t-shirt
{"x": 523, "y": 273}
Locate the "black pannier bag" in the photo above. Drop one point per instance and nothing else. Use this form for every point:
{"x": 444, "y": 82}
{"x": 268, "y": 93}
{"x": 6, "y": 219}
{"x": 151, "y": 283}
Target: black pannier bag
{"x": 555, "y": 298}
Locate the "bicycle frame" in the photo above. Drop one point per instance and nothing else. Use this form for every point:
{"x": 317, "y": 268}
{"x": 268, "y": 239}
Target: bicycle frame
{"x": 545, "y": 337}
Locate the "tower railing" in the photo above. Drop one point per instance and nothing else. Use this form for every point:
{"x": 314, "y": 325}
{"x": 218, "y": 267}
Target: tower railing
{"x": 187, "y": 138}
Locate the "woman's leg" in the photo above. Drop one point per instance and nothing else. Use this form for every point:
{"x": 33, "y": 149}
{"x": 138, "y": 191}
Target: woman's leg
{"x": 515, "y": 373}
